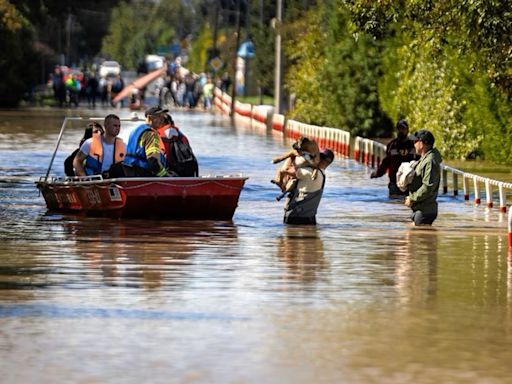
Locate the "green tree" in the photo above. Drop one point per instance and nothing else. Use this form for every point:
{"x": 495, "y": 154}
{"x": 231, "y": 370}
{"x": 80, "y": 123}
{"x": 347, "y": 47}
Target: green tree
{"x": 198, "y": 56}
{"x": 446, "y": 67}
{"x": 303, "y": 44}
{"x": 333, "y": 72}
{"x": 139, "y": 28}
{"x": 130, "y": 35}
{"x": 263, "y": 36}
{"x": 18, "y": 67}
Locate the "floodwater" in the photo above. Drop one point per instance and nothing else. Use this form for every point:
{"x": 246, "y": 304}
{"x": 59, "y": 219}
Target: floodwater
{"x": 361, "y": 298}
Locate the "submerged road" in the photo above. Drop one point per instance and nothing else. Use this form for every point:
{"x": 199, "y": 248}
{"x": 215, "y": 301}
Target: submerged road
{"x": 362, "y": 297}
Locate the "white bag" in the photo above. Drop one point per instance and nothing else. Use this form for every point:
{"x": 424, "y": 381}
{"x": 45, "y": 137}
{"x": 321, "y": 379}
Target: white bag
{"x": 405, "y": 174}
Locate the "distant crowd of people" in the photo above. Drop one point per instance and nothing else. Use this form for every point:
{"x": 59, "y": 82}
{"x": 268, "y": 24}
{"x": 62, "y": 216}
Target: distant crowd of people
{"x": 183, "y": 88}
{"x": 72, "y": 87}
{"x": 179, "y": 87}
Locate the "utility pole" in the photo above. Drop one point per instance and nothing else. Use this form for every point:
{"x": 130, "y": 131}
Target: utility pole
{"x": 278, "y": 84}
{"x": 215, "y": 28}
{"x": 68, "y": 38}
{"x": 233, "y": 83}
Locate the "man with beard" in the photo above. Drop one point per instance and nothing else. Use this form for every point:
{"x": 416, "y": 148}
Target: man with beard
{"x": 398, "y": 151}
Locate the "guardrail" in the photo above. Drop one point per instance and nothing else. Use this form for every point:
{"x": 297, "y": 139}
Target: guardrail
{"x": 367, "y": 151}
{"x": 477, "y": 182}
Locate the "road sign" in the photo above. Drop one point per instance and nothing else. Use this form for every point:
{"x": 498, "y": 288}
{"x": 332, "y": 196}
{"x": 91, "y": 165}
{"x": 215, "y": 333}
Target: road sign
{"x": 216, "y": 63}
{"x": 246, "y": 50}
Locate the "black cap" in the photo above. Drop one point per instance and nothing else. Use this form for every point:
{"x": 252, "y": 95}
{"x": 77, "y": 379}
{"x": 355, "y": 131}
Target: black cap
{"x": 402, "y": 124}
{"x": 423, "y": 135}
{"x": 327, "y": 154}
{"x": 155, "y": 110}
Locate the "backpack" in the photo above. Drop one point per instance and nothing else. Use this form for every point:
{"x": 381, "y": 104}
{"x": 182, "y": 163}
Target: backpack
{"x": 181, "y": 157}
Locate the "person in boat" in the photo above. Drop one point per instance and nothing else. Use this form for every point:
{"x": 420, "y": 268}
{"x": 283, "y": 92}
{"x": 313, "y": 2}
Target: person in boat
{"x": 398, "y": 151}
{"x": 302, "y": 203}
{"x": 146, "y": 151}
{"x": 423, "y": 189}
{"x": 91, "y": 129}
{"x": 102, "y": 154}
{"x": 178, "y": 152}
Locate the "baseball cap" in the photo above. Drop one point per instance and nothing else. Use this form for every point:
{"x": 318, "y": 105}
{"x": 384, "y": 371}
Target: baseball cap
{"x": 155, "y": 110}
{"x": 402, "y": 124}
{"x": 327, "y": 154}
{"x": 423, "y": 135}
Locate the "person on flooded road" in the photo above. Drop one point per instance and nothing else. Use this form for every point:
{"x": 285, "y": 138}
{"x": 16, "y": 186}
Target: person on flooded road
{"x": 102, "y": 154}
{"x": 424, "y": 186}
{"x": 302, "y": 203}
{"x": 399, "y": 150}
{"x": 146, "y": 150}
{"x": 92, "y": 129}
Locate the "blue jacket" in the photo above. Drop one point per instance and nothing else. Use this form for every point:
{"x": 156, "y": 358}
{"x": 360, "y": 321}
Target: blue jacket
{"x": 136, "y": 153}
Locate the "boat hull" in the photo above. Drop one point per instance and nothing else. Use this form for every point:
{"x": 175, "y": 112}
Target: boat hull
{"x": 214, "y": 198}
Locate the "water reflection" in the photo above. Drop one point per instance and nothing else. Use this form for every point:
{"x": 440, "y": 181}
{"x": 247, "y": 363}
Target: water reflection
{"x": 416, "y": 266}
{"x": 90, "y": 252}
{"x": 146, "y": 254}
{"x": 301, "y": 249}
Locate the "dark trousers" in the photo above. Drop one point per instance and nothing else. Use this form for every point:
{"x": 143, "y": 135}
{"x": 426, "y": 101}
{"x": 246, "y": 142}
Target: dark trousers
{"x": 300, "y": 220}
{"x": 132, "y": 171}
{"x": 423, "y": 218}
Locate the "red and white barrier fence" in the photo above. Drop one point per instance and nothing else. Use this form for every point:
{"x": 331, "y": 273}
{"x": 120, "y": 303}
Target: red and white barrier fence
{"x": 261, "y": 116}
{"x": 278, "y": 122}
{"x": 243, "y": 109}
{"x": 335, "y": 139}
{"x": 510, "y": 229}
{"x": 476, "y": 181}
{"x": 368, "y": 151}
{"x": 217, "y": 99}
{"x": 221, "y": 101}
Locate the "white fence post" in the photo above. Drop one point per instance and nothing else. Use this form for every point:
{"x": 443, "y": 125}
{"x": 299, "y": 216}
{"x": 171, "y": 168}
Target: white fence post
{"x": 477, "y": 189}
{"x": 488, "y": 193}
{"x": 465, "y": 187}
{"x": 455, "y": 184}
{"x": 503, "y": 198}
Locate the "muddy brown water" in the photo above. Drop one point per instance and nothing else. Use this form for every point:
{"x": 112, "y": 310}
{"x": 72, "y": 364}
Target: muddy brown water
{"x": 361, "y": 298}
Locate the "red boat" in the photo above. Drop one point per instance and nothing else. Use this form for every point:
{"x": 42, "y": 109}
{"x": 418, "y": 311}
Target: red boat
{"x": 214, "y": 198}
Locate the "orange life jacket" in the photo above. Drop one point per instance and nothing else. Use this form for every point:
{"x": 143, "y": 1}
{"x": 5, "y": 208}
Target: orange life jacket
{"x": 94, "y": 161}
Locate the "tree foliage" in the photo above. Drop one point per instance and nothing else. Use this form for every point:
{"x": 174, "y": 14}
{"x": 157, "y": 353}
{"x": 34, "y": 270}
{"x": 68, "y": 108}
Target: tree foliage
{"x": 198, "y": 56}
{"x": 303, "y": 80}
{"x": 444, "y": 66}
{"x": 333, "y": 75}
{"x": 263, "y": 36}
{"x": 140, "y": 28}
{"x": 18, "y": 67}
